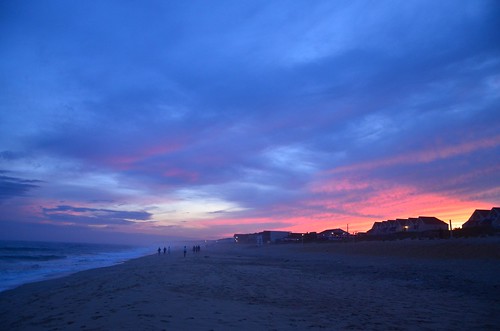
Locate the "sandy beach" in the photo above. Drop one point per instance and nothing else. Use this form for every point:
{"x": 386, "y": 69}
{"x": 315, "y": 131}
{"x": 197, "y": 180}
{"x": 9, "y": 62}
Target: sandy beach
{"x": 396, "y": 285}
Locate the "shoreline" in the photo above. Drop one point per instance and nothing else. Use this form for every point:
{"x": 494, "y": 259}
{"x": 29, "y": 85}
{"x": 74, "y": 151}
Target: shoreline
{"x": 355, "y": 286}
{"x": 24, "y": 262}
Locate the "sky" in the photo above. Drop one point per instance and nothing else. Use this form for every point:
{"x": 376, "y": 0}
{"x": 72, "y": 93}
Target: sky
{"x": 131, "y": 121}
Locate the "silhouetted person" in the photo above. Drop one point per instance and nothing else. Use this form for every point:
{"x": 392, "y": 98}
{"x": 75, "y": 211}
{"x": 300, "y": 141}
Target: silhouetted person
{"x": 159, "y": 250}
{"x": 164, "y": 250}
{"x": 185, "y": 251}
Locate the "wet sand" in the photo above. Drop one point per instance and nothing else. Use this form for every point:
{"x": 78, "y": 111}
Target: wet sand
{"x": 397, "y": 285}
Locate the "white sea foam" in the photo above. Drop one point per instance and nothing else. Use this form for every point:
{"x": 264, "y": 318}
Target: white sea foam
{"x": 25, "y": 262}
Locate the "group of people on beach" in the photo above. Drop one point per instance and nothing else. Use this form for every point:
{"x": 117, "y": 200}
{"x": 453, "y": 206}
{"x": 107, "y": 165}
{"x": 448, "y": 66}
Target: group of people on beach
{"x": 196, "y": 249}
{"x": 165, "y": 250}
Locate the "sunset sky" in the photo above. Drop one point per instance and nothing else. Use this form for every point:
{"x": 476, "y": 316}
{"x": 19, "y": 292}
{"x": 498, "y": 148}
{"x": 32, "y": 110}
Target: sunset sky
{"x": 133, "y": 120}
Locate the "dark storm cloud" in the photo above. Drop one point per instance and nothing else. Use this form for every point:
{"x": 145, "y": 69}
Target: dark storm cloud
{"x": 93, "y": 216}
{"x": 11, "y": 187}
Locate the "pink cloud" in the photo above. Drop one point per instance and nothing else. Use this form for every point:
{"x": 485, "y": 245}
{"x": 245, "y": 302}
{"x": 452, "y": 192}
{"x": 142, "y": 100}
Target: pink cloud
{"x": 127, "y": 161}
{"x": 340, "y": 185}
{"x": 424, "y": 156}
{"x": 361, "y": 202}
{"x": 353, "y": 200}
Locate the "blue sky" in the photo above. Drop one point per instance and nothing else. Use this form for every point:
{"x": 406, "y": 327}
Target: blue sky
{"x": 199, "y": 120}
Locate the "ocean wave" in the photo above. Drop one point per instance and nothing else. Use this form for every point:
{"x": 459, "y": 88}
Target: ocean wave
{"x": 25, "y": 262}
{"x": 24, "y": 249}
{"x": 31, "y": 257}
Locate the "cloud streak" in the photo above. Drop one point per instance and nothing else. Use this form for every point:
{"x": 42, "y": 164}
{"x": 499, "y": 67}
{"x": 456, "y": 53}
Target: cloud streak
{"x": 426, "y": 156}
{"x": 93, "y": 216}
{"x": 11, "y": 187}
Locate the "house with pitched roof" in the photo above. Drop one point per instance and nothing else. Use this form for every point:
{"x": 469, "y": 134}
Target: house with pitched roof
{"x": 494, "y": 216}
{"x": 377, "y": 228}
{"x": 431, "y": 223}
{"x": 419, "y": 224}
{"x": 479, "y": 218}
{"x": 333, "y": 234}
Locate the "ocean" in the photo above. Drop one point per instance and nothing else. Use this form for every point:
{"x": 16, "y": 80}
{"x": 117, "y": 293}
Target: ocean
{"x": 24, "y": 262}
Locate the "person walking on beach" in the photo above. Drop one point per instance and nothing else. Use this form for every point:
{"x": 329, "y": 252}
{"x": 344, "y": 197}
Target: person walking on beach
{"x": 164, "y": 250}
{"x": 185, "y": 251}
{"x": 159, "y": 250}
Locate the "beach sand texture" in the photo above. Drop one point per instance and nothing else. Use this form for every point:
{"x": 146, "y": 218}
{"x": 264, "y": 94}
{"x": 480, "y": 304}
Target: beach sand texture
{"x": 397, "y": 285}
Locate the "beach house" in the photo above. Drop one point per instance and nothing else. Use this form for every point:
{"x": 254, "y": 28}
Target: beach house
{"x": 400, "y": 225}
{"x": 391, "y": 226}
{"x": 268, "y": 237}
{"x": 333, "y": 234}
{"x": 245, "y": 238}
{"x": 479, "y": 218}
{"x": 494, "y": 216}
{"x": 431, "y": 223}
{"x": 259, "y": 238}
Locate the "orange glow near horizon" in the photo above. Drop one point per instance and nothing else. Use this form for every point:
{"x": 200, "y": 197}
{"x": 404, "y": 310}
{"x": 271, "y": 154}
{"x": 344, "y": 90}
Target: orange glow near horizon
{"x": 343, "y": 204}
{"x": 358, "y": 211}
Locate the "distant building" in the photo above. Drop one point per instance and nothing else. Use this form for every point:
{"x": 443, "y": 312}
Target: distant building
{"x": 224, "y": 240}
{"x": 264, "y": 237}
{"x": 494, "y": 216}
{"x": 300, "y": 237}
{"x": 293, "y": 237}
{"x": 429, "y": 223}
{"x": 333, "y": 234}
{"x": 482, "y": 218}
{"x": 268, "y": 237}
{"x": 245, "y": 238}
{"x": 479, "y": 218}
{"x": 419, "y": 224}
